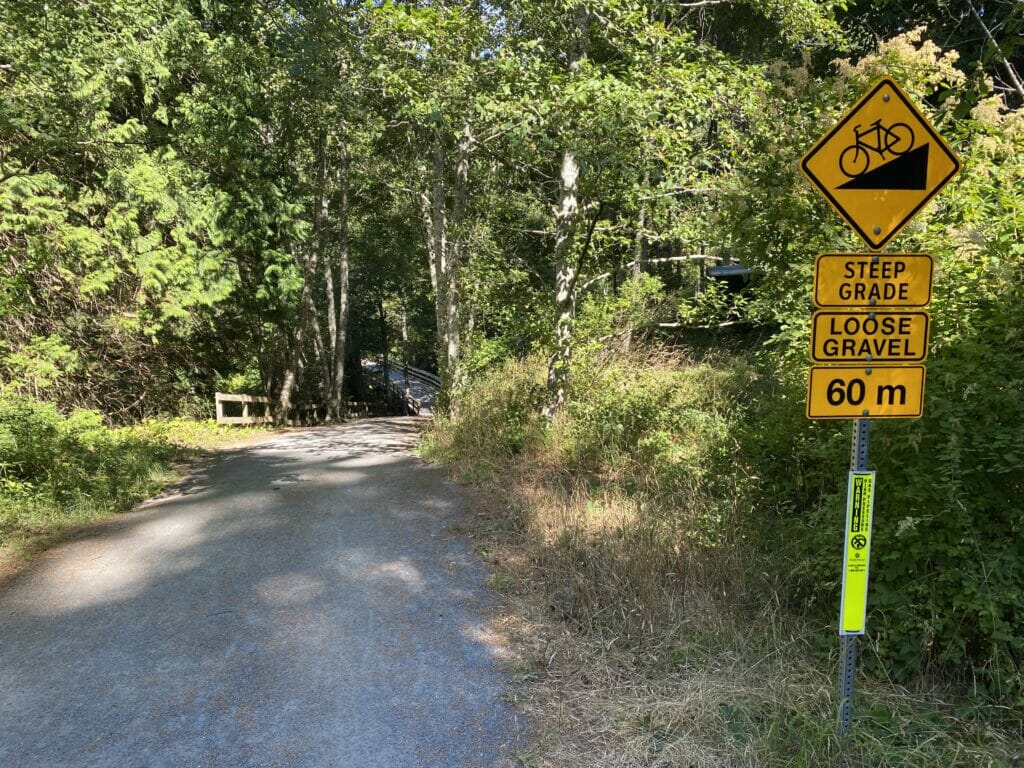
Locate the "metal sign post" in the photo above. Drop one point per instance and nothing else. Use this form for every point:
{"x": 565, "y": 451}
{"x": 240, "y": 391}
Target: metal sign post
{"x": 878, "y": 166}
{"x": 848, "y": 642}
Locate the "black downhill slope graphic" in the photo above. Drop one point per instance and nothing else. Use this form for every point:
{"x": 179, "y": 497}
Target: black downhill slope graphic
{"x": 909, "y": 171}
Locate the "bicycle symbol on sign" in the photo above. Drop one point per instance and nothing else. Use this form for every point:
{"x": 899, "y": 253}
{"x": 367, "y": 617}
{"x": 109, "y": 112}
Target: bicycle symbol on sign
{"x": 896, "y": 139}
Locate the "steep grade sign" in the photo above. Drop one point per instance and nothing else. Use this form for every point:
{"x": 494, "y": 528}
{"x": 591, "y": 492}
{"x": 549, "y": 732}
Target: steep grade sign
{"x": 872, "y": 280}
{"x": 880, "y": 164}
{"x": 877, "y": 167}
{"x": 864, "y": 336}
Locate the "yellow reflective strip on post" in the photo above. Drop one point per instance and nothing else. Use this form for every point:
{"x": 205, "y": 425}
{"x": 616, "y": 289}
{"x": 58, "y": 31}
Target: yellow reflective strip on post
{"x": 857, "y": 553}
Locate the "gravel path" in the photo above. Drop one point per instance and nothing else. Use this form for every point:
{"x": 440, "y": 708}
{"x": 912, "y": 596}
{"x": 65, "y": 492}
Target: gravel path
{"x": 300, "y": 602}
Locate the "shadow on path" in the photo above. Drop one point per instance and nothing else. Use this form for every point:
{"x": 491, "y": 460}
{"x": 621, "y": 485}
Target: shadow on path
{"x": 300, "y": 602}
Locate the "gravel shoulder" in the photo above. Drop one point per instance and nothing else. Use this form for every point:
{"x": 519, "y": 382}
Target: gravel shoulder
{"x": 300, "y": 601}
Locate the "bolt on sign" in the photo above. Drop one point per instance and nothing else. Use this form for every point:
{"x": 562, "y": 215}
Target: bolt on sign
{"x": 856, "y": 553}
{"x": 867, "y": 336}
{"x": 880, "y": 164}
{"x": 872, "y": 280}
{"x": 848, "y": 392}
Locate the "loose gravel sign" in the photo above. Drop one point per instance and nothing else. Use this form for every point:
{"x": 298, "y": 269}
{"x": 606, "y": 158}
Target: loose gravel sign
{"x": 868, "y": 336}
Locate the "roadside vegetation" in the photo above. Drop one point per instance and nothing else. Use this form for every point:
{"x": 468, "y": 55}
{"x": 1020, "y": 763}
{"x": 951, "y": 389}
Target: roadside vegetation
{"x": 669, "y": 551}
{"x": 670, "y": 538}
{"x": 59, "y": 473}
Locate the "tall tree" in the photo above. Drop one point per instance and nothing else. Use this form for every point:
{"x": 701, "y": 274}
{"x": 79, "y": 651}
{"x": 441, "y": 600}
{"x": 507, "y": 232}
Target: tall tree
{"x": 437, "y": 68}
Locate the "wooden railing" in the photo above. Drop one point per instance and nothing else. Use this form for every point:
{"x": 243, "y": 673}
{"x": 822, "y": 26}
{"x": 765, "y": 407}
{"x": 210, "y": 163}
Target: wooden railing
{"x": 257, "y": 410}
{"x": 251, "y": 404}
{"x": 425, "y": 376}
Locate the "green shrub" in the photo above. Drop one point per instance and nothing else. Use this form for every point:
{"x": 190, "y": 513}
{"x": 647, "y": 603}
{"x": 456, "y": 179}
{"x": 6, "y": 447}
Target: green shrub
{"x": 57, "y": 471}
{"x": 703, "y": 454}
{"x": 28, "y": 440}
{"x": 662, "y": 429}
{"x": 947, "y": 572}
{"x": 947, "y": 565}
{"x": 498, "y": 417}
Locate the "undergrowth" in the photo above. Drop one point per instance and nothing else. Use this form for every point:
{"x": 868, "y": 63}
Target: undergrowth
{"x": 637, "y": 537}
{"x": 59, "y": 472}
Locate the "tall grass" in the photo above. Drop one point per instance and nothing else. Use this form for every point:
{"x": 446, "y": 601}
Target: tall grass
{"x": 654, "y": 630}
{"x": 627, "y": 492}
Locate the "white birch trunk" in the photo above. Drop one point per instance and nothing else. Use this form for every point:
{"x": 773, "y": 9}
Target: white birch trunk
{"x": 566, "y": 221}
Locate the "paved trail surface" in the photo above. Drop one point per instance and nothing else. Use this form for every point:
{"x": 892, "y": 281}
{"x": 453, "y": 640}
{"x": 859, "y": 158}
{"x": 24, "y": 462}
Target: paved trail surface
{"x": 300, "y": 602}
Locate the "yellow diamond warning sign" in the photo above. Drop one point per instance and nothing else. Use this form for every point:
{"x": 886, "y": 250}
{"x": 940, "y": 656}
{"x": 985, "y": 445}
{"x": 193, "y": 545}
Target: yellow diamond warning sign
{"x": 880, "y": 164}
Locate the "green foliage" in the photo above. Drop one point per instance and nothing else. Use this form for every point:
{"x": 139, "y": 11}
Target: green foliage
{"x": 28, "y": 434}
{"x": 639, "y": 521}
{"x": 184, "y": 186}
{"x": 947, "y": 563}
{"x": 109, "y": 233}
{"x": 59, "y": 471}
{"x": 246, "y": 382}
{"x": 714, "y": 304}
{"x": 498, "y": 418}
{"x": 620, "y": 315}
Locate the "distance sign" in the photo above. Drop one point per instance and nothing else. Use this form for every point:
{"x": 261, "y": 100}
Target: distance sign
{"x": 859, "y": 392}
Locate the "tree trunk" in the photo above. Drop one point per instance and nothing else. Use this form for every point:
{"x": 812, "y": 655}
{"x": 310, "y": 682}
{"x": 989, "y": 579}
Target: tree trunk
{"x": 341, "y": 299}
{"x": 435, "y": 217}
{"x": 329, "y": 262}
{"x": 290, "y": 379}
{"x": 1013, "y": 78}
{"x": 639, "y": 238}
{"x": 322, "y": 230}
{"x": 382, "y": 324}
{"x": 434, "y": 260}
{"x": 638, "y": 254}
{"x": 305, "y": 257}
{"x": 566, "y": 222}
{"x": 405, "y": 348}
{"x": 456, "y": 261}
{"x": 445, "y": 252}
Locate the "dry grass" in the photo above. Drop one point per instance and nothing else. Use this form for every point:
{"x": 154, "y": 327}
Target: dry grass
{"x": 622, "y": 667}
{"x": 643, "y": 629}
